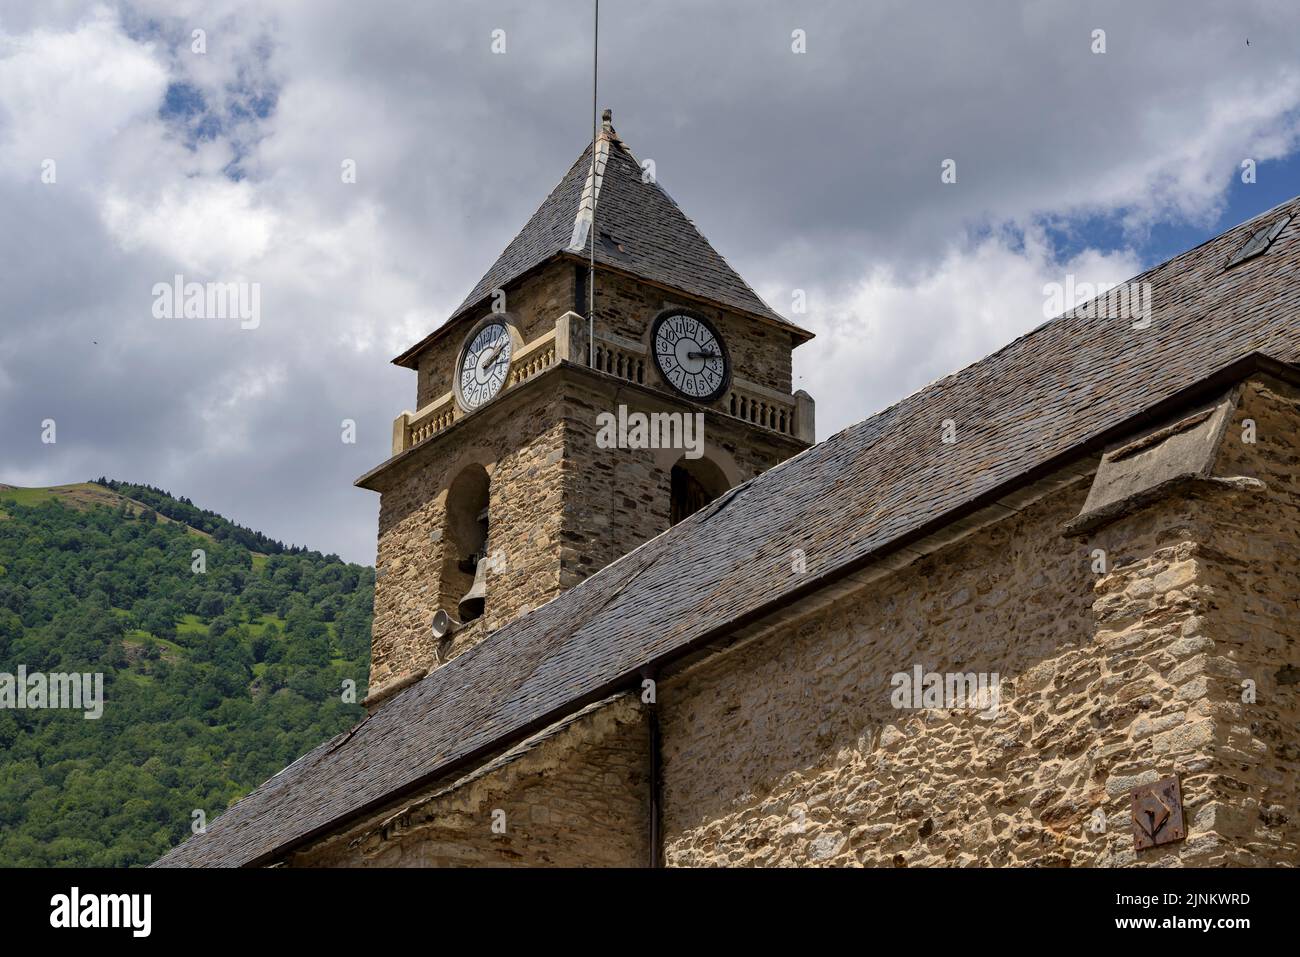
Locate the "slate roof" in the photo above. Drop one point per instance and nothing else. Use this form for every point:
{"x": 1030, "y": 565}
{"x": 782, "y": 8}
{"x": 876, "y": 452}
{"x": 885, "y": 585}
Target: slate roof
{"x": 658, "y": 242}
{"x": 843, "y": 501}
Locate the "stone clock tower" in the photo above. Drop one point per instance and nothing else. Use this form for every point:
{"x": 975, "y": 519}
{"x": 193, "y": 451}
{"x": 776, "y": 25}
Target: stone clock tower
{"x": 536, "y": 455}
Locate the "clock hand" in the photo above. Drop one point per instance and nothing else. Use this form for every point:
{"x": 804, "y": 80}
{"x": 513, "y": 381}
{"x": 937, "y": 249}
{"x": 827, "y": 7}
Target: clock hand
{"x": 703, "y": 355}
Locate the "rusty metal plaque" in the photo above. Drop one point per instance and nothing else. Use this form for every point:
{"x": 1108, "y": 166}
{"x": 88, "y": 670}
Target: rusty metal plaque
{"x": 1158, "y": 814}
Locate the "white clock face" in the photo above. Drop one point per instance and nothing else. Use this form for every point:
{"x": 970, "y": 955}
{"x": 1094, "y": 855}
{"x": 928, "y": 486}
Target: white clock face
{"x": 690, "y": 356}
{"x": 484, "y": 365}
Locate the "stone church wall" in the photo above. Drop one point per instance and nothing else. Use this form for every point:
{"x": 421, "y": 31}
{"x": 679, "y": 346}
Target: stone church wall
{"x": 1253, "y": 633}
{"x": 621, "y": 498}
{"x": 789, "y": 752}
{"x": 575, "y": 796}
{"x": 522, "y": 451}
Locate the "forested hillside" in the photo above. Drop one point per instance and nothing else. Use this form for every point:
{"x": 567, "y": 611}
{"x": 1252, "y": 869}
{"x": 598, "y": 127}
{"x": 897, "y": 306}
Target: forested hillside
{"x": 217, "y": 673}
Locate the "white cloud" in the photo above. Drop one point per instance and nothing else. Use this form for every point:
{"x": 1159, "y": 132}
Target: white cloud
{"x": 71, "y": 95}
{"x": 212, "y": 226}
{"x": 89, "y": 93}
{"x": 888, "y": 336}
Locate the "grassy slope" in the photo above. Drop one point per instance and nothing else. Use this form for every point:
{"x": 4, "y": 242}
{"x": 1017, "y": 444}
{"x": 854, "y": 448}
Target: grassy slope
{"x": 88, "y": 495}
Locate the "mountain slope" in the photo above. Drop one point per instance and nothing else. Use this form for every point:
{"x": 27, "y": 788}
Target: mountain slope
{"x": 216, "y": 674}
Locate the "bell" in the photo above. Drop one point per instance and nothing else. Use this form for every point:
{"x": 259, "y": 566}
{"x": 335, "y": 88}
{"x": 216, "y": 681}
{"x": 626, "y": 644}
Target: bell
{"x": 471, "y": 605}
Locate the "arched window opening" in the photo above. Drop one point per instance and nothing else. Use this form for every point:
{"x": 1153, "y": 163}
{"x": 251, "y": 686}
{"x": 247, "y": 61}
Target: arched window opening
{"x": 695, "y": 483}
{"x": 466, "y": 539}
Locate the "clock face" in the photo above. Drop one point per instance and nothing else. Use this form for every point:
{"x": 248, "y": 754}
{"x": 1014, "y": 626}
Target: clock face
{"x": 484, "y": 364}
{"x": 690, "y": 356}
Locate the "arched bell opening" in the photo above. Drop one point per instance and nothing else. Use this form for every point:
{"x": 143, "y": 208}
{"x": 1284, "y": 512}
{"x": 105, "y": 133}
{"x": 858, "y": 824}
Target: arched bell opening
{"x": 466, "y": 537}
{"x": 695, "y": 483}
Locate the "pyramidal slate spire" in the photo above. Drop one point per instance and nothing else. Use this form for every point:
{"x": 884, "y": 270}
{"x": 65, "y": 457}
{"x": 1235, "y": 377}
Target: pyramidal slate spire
{"x": 640, "y": 230}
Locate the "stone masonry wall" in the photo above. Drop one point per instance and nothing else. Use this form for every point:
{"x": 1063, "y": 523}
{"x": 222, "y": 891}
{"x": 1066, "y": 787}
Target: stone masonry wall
{"x": 789, "y": 752}
{"x": 1253, "y": 633}
{"x": 575, "y": 796}
{"x": 522, "y": 451}
{"x": 616, "y": 499}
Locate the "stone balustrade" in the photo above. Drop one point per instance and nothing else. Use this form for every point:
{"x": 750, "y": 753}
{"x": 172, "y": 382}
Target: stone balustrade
{"x": 621, "y": 357}
{"x": 412, "y": 428}
{"x": 565, "y": 342}
{"x": 626, "y": 359}
{"x": 532, "y": 359}
{"x": 790, "y": 415}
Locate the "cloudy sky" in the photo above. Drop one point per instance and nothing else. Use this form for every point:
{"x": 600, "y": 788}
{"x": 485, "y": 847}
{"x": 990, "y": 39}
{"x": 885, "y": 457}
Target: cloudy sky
{"x": 127, "y": 157}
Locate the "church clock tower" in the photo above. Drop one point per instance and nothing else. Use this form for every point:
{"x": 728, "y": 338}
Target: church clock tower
{"x": 537, "y": 455}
